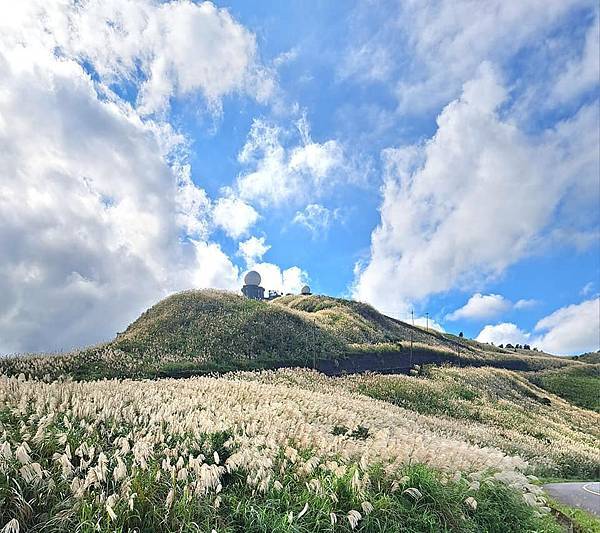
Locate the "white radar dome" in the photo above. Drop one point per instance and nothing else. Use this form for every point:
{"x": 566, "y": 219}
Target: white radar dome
{"x": 305, "y": 289}
{"x": 252, "y": 278}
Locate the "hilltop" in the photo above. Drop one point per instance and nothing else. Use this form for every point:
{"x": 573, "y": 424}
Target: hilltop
{"x": 202, "y": 331}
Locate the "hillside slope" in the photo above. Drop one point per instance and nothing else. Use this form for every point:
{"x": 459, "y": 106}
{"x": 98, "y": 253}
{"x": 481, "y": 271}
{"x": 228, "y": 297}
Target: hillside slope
{"x": 205, "y": 325}
{"x": 484, "y": 406}
{"x": 202, "y": 331}
{"x": 230, "y": 455}
{"x": 357, "y": 322}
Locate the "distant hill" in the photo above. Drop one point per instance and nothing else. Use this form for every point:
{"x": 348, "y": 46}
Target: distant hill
{"x": 202, "y": 331}
{"x": 590, "y": 357}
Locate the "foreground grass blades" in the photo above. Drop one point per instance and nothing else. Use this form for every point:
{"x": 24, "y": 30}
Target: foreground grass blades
{"x": 235, "y": 455}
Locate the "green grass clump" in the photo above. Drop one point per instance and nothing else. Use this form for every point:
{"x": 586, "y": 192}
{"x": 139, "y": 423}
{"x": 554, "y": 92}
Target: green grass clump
{"x": 579, "y": 385}
{"x": 357, "y": 322}
{"x": 210, "y": 325}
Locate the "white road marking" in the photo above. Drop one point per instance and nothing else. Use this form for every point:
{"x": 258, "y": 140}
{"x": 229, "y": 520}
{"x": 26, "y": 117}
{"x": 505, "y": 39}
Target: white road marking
{"x": 585, "y": 487}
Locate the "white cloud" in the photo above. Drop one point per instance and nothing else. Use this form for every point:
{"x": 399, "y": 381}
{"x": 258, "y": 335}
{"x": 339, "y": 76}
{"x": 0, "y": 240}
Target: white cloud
{"x": 316, "y": 218}
{"x": 425, "y": 322}
{"x": 213, "y": 268}
{"x": 573, "y": 329}
{"x": 235, "y": 216}
{"x": 570, "y": 330}
{"x": 89, "y": 210}
{"x": 176, "y": 48}
{"x": 99, "y": 216}
{"x": 580, "y": 73}
{"x": 525, "y": 304}
{"x": 481, "y": 306}
{"x": 253, "y": 249}
{"x": 476, "y": 197}
{"x": 285, "y": 281}
{"x": 284, "y": 174}
{"x": 505, "y": 333}
{"x": 426, "y": 49}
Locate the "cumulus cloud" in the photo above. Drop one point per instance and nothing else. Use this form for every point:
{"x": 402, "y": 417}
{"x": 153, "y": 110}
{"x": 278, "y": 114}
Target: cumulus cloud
{"x": 316, "y": 218}
{"x": 234, "y": 216}
{"x": 287, "y": 174}
{"x": 213, "y": 268}
{"x": 88, "y": 207}
{"x": 289, "y": 280}
{"x": 485, "y": 306}
{"x": 429, "y": 323}
{"x": 505, "y": 333}
{"x": 445, "y": 41}
{"x": 476, "y": 197}
{"x": 481, "y": 306}
{"x": 99, "y": 215}
{"x": 253, "y": 249}
{"x": 573, "y": 329}
{"x": 169, "y": 49}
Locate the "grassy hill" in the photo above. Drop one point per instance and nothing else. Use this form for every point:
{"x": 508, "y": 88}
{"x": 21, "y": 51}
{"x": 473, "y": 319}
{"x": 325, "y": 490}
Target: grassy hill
{"x": 285, "y": 449}
{"x": 202, "y": 331}
{"x": 591, "y": 357}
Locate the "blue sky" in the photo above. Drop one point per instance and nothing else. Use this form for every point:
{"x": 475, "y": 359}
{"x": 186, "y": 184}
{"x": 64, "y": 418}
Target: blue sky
{"x": 439, "y": 156}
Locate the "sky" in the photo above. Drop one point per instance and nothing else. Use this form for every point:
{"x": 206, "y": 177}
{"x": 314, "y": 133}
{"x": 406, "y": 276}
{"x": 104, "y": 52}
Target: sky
{"x": 435, "y": 157}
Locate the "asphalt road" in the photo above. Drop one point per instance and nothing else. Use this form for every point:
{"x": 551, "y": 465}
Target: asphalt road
{"x": 582, "y": 495}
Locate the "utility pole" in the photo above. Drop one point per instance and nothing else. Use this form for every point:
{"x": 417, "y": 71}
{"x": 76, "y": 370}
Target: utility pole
{"x": 314, "y": 346}
{"x": 412, "y": 314}
{"x": 427, "y": 318}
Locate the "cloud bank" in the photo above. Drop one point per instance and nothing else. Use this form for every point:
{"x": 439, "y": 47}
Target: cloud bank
{"x": 477, "y": 197}
{"x": 570, "y": 330}
{"x": 99, "y": 216}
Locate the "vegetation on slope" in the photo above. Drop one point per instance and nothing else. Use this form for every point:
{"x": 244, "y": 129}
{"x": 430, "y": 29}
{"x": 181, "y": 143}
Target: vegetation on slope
{"x": 204, "y": 331}
{"x": 582, "y": 521}
{"x": 578, "y": 384}
{"x": 591, "y": 357}
{"x": 485, "y": 406}
{"x": 206, "y": 325}
{"x": 357, "y": 322}
{"x": 194, "y": 332}
{"x": 198, "y": 332}
{"x": 235, "y": 455}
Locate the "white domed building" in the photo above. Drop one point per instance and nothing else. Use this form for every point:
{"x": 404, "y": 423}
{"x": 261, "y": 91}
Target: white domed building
{"x": 252, "y": 288}
{"x": 305, "y": 290}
